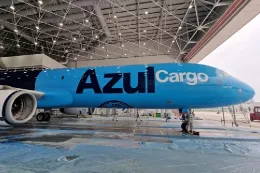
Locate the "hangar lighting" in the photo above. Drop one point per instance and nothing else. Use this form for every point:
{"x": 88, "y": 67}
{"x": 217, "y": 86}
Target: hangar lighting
{"x": 40, "y": 2}
{"x": 127, "y": 33}
{"x": 18, "y": 45}
{"x": 12, "y": 7}
{"x": 83, "y": 49}
{"x": 2, "y": 47}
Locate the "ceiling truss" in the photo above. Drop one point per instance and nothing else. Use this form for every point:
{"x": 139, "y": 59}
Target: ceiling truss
{"x": 105, "y": 29}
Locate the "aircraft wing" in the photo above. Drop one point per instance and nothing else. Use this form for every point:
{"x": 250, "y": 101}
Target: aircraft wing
{"x": 37, "y": 94}
{"x": 48, "y": 98}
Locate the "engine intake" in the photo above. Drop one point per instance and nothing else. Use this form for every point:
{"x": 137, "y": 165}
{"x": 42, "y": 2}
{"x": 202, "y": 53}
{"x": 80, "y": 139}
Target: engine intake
{"x": 18, "y": 106}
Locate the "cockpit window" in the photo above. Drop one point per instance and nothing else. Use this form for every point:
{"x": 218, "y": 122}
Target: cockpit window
{"x": 221, "y": 73}
{"x": 225, "y": 74}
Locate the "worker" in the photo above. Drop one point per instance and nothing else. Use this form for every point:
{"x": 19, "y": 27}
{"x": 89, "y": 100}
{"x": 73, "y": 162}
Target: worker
{"x": 114, "y": 115}
{"x": 186, "y": 114}
{"x": 138, "y": 116}
{"x": 167, "y": 116}
{"x": 79, "y": 115}
{"x": 191, "y": 120}
{"x": 190, "y": 117}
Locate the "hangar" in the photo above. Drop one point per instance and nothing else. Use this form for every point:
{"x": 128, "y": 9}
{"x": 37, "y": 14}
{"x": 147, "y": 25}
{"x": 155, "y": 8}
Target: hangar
{"x": 109, "y": 32}
{"x": 37, "y": 35}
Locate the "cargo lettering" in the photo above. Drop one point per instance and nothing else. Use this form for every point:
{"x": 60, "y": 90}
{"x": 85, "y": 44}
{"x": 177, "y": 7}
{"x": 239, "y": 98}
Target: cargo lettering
{"x": 163, "y": 76}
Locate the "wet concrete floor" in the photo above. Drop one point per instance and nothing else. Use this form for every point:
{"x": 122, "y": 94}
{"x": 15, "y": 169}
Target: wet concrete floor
{"x": 100, "y": 145}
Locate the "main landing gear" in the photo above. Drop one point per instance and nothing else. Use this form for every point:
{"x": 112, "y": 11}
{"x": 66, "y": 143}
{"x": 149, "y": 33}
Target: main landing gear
{"x": 43, "y": 116}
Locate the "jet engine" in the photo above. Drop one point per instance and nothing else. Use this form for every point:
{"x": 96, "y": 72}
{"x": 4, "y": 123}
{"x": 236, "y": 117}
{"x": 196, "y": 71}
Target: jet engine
{"x": 78, "y": 111}
{"x": 17, "y": 106}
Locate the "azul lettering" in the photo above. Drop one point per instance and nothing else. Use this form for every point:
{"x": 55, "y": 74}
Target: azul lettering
{"x": 93, "y": 82}
{"x": 163, "y": 76}
{"x": 142, "y": 79}
{"x": 108, "y": 88}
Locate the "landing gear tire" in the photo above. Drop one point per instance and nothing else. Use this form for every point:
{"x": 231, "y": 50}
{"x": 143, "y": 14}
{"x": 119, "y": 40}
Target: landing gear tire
{"x": 43, "y": 116}
{"x": 251, "y": 119}
{"x": 47, "y": 116}
{"x": 40, "y": 117}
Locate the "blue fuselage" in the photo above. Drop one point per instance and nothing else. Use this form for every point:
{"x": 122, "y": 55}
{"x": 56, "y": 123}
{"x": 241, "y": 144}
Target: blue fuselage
{"x": 133, "y": 86}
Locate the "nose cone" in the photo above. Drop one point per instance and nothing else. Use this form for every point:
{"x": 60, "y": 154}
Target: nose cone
{"x": 245, "y": 92}
{"x": 249, "y": 91}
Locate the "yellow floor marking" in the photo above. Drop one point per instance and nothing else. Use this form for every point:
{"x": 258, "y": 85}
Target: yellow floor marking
{"x": 161, "y": 132}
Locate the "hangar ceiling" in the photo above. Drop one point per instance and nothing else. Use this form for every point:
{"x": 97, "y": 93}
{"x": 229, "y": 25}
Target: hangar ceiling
{"x": 105, "y": 29}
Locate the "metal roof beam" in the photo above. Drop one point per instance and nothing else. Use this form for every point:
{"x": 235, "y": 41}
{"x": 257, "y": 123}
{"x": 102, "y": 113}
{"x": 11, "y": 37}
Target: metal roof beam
{"x": 207, "y": 2}
{"x": 56, "y": 19}
{"x": 218, "y": 4}
{"x": 223, "y": 3}
{"x": 160, "y": 19}
{"x": 9, "y": 2}
{"x": 49, "y": 7}
{"x": 102, "y": 20}
{"x": 138, "y": 25}
{"x": 11, "y": 27}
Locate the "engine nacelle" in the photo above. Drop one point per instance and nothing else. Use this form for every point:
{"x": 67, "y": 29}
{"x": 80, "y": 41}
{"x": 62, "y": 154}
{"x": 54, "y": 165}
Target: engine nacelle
{"x": 78, "y": 111}
{"x": 17, "y": 107}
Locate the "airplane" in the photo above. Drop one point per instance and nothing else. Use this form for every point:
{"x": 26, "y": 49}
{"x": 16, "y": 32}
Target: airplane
{"x": 153, "y": 86}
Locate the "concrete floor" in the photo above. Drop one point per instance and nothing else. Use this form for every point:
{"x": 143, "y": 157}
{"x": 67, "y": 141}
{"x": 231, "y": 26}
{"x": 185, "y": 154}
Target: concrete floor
{"x": 100, "y": 145}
